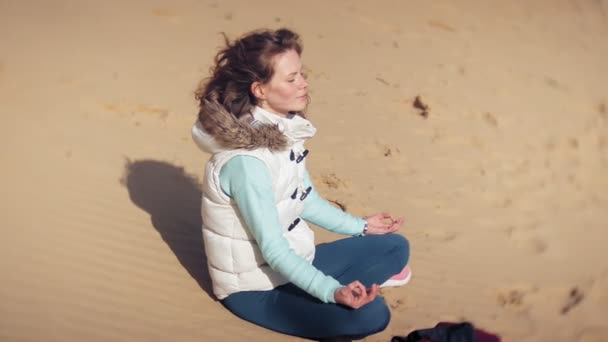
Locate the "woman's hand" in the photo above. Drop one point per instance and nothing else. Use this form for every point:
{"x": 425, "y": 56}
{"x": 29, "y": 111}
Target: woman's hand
{"x": 382, "y": 223}
{"x": 355, "y": 295}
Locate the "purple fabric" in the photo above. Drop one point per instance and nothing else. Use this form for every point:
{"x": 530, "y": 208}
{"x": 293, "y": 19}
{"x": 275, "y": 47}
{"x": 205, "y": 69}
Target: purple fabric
{"x": 449, "y": 332}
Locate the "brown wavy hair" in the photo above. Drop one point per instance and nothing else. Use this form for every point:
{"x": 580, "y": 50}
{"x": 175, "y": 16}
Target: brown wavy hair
{"x": 246, "y": 60}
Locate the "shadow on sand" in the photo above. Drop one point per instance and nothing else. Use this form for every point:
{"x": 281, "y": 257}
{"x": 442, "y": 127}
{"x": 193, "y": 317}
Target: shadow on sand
{"x": 173, "y": 199}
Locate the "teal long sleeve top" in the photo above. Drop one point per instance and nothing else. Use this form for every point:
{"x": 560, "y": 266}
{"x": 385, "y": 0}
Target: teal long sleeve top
{"x": 247, "y": 181}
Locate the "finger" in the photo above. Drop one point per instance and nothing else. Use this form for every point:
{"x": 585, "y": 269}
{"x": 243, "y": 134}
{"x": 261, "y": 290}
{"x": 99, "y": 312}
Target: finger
{"x": 386, "y": 216}
{"x": 370, "y": 296}
{"x": 351, "y": 300}
{"x": 354, "y": 284}
{"x": 390, "y": 229}
{"x": 379, "y": 216}
{"x": 373, "y": 289}
{"x": 360, "y": 291}
{"x": 388, "y": 220}
{"x": 397, "y": 224}
{"x": 356, "y": 288}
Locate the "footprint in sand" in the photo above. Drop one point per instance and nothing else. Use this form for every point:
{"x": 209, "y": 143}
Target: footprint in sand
{"x": 400, "y": 303}
{"x": 534, "y": 245}
{"x": 515, "y": 298}
{"x": 339, "y": 203}
{"x": 397, "y": 304}
{"x": 388, "y": 151}
{"x": 575, "y": 296}
{"x": 599, "y": 119}
{"x": 603, "y": 112}
{"x": 490, "y": 119}
{"x": 555, "y": 84}
{"x": 511, "y": 298}
{"x": 383, "y": 81}
{"x": 332, "y": 181}
{"x": 528, "y": 239}
{"x": 423, "y": 108}
{"x": 441, "y": 26}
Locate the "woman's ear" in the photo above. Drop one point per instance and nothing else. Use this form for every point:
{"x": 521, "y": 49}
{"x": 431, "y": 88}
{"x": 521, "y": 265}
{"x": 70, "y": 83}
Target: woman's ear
{"x": 257, "y": 89}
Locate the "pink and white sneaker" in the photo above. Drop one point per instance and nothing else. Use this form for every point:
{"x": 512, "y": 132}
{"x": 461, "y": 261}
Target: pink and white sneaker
{"x": 400, "y": 278}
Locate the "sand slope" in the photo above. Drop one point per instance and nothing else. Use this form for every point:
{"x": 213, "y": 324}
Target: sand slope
{"x": 503, "y": 184}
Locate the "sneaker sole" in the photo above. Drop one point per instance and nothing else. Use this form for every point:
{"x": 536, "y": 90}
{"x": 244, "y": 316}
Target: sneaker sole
{"x": 392, "y": 282}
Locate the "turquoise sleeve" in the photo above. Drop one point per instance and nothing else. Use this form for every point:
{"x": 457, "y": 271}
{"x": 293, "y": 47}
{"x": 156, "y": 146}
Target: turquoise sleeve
{"x": 320, "y": 212}
{"x": 247, "y": 181}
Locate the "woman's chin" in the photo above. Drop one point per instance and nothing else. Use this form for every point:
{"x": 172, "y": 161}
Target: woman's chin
{"x": 300, "y": 106}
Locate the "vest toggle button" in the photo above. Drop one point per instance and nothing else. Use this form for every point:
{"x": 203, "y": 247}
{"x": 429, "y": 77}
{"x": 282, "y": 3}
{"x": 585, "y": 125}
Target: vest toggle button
{"x": 292, "y": 156}
{"x": 302, "y": 156}
{"x": 305, "y": 193}
{"x": 295, "y": 194}
{"x": 294, "y": 224}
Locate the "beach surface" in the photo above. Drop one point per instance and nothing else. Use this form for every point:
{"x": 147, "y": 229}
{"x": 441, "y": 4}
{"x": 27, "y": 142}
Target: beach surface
{"x": 502, "y": 180}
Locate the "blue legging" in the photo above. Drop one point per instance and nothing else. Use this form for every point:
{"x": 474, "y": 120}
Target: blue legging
{"x": 288, "y": 309}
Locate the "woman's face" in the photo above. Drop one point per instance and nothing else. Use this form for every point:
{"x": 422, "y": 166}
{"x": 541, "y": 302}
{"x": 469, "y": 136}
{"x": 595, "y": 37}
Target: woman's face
{"x": 287, "y": 91}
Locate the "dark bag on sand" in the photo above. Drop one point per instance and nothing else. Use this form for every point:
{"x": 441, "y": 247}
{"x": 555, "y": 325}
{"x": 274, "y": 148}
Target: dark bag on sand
{"x": 448, "y": 332}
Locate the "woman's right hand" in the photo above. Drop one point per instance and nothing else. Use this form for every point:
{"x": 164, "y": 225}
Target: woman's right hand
{"x": 355, "y": 295}
{"x": 377, "y": 224}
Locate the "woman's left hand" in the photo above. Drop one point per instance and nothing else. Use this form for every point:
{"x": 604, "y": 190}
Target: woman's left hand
{"x": 383, "y": 223}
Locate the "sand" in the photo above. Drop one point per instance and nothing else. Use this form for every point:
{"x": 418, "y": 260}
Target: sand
{"x": 503, "y": 183}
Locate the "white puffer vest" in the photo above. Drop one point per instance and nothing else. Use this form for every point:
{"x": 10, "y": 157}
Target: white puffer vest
{"x": 234, "y": 259}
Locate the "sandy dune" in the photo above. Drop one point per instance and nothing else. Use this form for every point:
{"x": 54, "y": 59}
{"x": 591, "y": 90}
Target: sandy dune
{"x": 503, "y": 184}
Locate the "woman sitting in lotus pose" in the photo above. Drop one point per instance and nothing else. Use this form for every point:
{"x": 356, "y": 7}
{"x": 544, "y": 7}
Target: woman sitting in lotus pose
{"x": 258, "y": 198}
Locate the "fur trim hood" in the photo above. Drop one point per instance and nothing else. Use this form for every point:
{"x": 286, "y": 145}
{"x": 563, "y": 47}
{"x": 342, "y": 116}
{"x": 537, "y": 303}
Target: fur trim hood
{"x": 217, "y": 130}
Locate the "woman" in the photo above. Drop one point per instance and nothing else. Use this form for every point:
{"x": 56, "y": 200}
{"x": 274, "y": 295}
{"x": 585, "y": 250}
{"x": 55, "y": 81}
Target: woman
{"x": 258, "y": 197}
